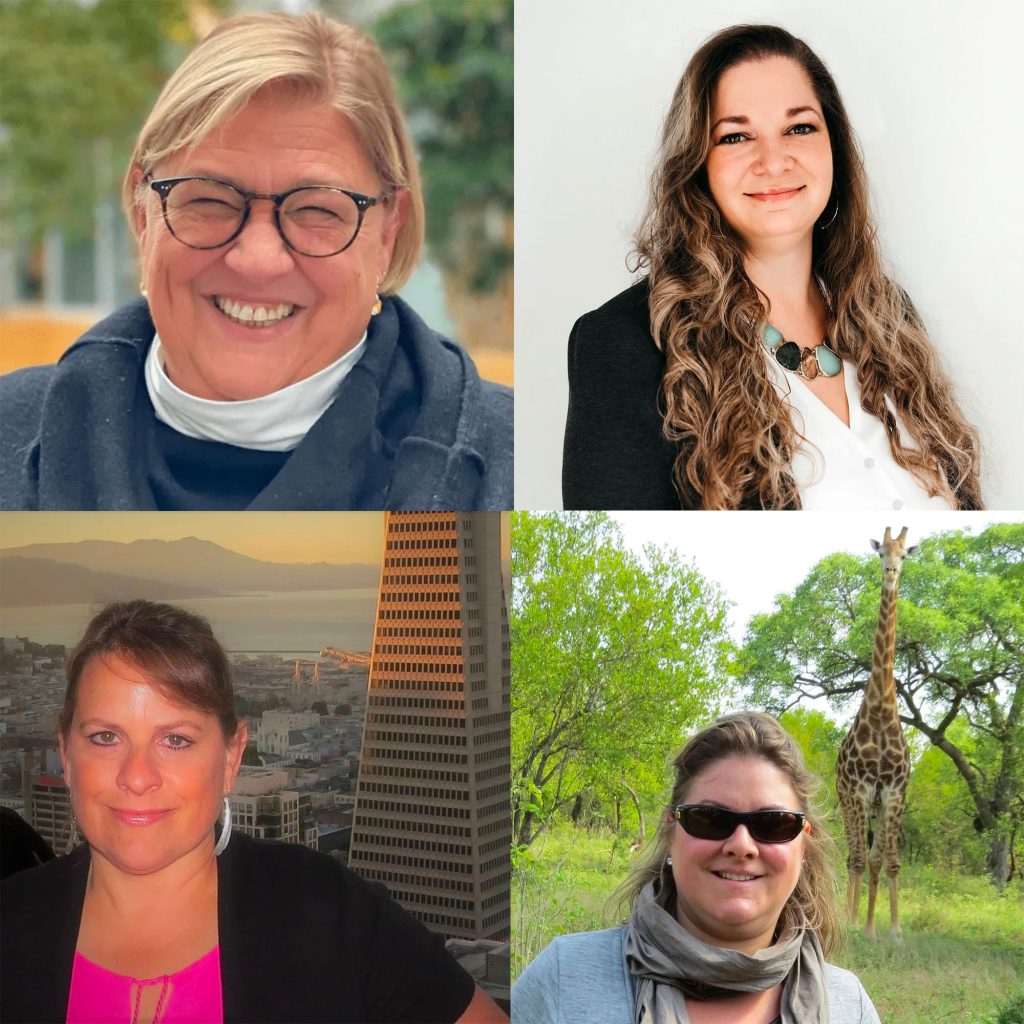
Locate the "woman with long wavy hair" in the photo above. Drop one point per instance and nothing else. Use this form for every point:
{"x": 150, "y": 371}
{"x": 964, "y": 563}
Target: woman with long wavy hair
{"x": 766, "y": 360}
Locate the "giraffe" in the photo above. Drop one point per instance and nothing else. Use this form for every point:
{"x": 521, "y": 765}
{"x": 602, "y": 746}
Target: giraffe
{"x": 874, "y": 761}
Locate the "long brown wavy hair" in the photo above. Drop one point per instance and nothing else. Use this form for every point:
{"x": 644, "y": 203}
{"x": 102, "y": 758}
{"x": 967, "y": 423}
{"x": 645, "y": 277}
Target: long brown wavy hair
{"x": 752, "y": 734}
{"x": 735, "y": 433}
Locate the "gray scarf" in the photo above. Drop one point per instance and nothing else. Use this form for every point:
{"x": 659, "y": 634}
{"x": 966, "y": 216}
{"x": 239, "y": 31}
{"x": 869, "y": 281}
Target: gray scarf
{"x": 670, "y": 964}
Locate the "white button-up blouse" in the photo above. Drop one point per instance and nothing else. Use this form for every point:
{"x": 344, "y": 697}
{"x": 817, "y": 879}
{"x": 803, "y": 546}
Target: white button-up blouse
{"x": 846, "y": 467}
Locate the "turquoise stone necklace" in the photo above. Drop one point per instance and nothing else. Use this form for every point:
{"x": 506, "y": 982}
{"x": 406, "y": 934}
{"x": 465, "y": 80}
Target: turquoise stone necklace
{"x": 807, "y": 362}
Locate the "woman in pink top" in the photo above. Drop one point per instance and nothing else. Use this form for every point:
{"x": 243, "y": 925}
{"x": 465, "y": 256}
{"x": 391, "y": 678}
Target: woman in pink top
{"x": 157, "y": 918}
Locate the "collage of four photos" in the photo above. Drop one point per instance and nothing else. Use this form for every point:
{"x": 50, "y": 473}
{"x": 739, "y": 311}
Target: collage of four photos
{"x": 361, "y": 365}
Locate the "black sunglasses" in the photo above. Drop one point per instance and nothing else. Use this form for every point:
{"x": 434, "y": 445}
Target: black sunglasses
{"x": 703, "y": 822}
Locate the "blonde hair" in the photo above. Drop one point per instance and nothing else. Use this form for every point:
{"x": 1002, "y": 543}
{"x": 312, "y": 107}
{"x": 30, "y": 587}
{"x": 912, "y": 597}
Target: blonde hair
{"x": 736, "y": 435}
{"x": 752, "y": 734}
{"x": 319, "y": 59}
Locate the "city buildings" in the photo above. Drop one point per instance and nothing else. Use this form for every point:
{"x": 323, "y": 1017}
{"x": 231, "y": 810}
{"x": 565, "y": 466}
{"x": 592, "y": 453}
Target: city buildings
{"x": 432, "y": 816}
{"x": 262, "y": 807}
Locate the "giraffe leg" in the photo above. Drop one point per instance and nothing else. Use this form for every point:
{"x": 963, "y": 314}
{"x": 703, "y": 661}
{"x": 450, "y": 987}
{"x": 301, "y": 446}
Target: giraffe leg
{"x": 894, "y": 816}
{"x": 874, "y": 867}
{"x": 855, "y": 824}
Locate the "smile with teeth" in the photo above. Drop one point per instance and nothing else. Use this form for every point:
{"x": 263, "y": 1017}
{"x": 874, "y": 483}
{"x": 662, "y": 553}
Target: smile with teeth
{"x": 253, "y": 315}
{"x": 735, "y": 878}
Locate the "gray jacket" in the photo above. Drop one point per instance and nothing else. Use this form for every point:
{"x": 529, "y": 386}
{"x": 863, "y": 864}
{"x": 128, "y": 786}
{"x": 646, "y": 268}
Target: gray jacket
{"x": 583, "y": 979}
{"x": 412, "y": 427}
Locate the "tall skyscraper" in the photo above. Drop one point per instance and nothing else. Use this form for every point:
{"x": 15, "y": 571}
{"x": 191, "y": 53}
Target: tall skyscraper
{"x": 432, "y": 804}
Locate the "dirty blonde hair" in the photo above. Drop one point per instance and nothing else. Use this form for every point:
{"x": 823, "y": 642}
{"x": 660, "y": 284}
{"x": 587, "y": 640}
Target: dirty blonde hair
{"x": 754, "y": 735}
{"x": 735, "y": 433}
{"x": 316, "y": 59}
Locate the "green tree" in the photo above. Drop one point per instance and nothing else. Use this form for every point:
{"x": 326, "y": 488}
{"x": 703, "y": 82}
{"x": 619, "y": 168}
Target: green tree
{"x": 319, "y": 706}
{"x": 454, "y": 66}
{"x": 939, "y": 820}
{"x": 614, "y": 658}
{"x": 343, "y": 709}
{"x": 453, "y": 60}
{"x": 819, "y": 739}
{"x": 959, "y": 658}
{"x": 70, "y": 76}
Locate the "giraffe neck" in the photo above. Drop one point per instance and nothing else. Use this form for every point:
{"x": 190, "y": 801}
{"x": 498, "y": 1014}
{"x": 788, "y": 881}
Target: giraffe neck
{"x": 880, "y": 696}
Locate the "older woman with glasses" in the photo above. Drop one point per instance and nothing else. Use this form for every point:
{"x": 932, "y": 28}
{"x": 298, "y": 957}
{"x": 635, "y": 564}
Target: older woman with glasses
{"x": 276, "y": 201}
{"x": 163, "y": 915}
{"x": 766, "y": 360}
{"x": 733, "y": 908}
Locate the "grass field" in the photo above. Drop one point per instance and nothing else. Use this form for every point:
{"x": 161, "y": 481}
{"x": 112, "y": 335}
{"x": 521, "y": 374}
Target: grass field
{"x": 961, "y": 960}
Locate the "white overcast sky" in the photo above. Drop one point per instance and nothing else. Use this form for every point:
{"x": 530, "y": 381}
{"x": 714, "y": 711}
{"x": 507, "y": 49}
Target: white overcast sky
{"x": 754, "y": 556}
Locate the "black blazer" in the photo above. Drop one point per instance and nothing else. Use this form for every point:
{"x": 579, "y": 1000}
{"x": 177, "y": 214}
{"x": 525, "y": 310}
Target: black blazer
{"x": 615, "y": 456}
{"x": 301, "y": 939}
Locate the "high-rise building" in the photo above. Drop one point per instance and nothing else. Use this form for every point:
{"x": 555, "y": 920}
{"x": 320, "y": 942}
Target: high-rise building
{"x": 432, "y": 803}
{"x": 50, "y": 812}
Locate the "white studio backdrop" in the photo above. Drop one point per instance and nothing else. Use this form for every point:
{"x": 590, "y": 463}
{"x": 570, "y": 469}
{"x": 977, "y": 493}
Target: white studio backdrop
{"x": 934, "y": 92}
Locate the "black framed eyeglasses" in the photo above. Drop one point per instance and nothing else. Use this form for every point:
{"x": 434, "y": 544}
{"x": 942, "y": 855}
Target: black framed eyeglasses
{"x": 313, "y": 220}
{"x": 703, "y": 822}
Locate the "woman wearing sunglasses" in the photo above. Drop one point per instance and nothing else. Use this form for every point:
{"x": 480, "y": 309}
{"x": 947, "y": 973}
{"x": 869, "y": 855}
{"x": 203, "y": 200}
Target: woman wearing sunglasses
{"x": 767, "y": 360}
{"x": 269, "y": 363}
{"x": 733, "y": 908}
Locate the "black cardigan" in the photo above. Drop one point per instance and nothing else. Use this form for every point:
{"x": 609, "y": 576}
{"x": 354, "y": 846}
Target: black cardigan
{"x": 615, "y": 456}
{"x": 301, "y": 939}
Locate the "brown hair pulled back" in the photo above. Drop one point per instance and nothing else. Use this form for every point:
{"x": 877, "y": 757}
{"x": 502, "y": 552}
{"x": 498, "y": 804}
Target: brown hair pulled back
{"x": 175, "y": 648}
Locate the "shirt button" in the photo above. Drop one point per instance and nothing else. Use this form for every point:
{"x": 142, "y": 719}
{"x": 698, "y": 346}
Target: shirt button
{"x": 897, "y": 504}
{"x": 869, "y": 463}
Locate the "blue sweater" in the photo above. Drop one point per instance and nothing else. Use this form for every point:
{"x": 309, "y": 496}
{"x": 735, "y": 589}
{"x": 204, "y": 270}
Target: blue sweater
{"x": 583, "y": 979}
{"x": 412, "y": 427}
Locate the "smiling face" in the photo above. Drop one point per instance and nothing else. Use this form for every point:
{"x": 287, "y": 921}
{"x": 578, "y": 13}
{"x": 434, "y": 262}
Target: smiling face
{"x": 730, "y": 892}
{"x": 147, "y": 776}
{"x": 770, "y": 160}
{"x": 275, "y": 143}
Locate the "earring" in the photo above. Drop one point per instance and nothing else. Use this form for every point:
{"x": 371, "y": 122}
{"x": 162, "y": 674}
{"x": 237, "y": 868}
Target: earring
{"x": 668, "y": 862}
{"x": 225, "y": 832}
{"x": 142, "y": 289}
{"x": 377, "y": 306}
{"x": 828, "y": 223}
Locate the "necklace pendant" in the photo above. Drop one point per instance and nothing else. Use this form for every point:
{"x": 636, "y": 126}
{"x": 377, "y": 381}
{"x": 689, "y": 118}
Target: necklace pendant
{"x": 808, "y": 364}
{"x": 829, "y": 363}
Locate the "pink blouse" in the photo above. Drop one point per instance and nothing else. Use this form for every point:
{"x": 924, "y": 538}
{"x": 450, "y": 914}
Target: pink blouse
{"x": 189, "y": 996}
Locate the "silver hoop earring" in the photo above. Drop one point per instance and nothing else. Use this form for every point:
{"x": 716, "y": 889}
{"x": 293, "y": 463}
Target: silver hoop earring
{"x": 828, "y": 223}
{"x": 225, "y": 832}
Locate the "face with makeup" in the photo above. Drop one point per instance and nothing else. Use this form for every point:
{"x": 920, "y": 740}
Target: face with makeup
{"x": 147, "y": 775}
{"x": 769, "y": 165}
{"x": 213, "y": 307}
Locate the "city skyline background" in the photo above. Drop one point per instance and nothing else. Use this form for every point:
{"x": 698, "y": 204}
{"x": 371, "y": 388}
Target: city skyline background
{"x": 296, "y": 601}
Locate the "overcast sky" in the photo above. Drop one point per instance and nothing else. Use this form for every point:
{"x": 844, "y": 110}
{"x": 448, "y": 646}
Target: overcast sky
{"x": 754, "y": 556}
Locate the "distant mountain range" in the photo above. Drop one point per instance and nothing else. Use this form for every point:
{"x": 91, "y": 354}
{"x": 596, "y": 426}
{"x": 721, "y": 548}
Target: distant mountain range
{"x": 100, "y": 570}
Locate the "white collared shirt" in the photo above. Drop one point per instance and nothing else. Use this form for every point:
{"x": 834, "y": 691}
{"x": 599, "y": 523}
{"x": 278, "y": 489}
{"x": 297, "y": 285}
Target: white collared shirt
{"x": 271, "y": 423}
{"x": 846, "y": 467}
